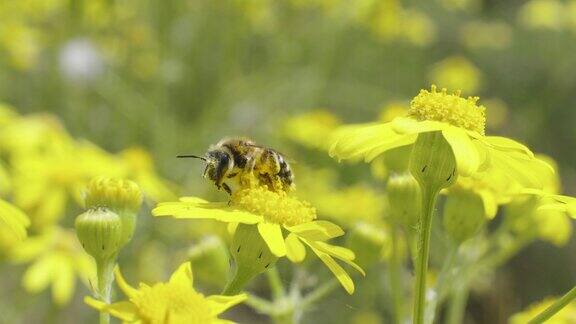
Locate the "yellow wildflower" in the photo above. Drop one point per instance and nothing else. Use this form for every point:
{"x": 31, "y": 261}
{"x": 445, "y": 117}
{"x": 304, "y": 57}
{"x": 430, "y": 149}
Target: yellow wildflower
{"x": 461, "y": 122}
{"x": 544, "y": 213}
{"x": 273, "y": 213}
{"x": 172, "y": 302}
{"x": 57, "y": 259}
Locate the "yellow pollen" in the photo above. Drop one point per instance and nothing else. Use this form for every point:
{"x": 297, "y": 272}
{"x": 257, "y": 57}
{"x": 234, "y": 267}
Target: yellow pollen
{"x": 275, "y": 207}
{"x": 449, "y": 108}
{"x": 169, "y": 303}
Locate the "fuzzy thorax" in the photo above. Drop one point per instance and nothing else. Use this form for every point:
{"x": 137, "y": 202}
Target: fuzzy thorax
{"x": 449, "y": 108}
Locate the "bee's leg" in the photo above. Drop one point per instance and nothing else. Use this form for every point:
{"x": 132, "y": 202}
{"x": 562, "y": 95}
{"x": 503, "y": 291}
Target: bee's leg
{"x": 227, "y": 188}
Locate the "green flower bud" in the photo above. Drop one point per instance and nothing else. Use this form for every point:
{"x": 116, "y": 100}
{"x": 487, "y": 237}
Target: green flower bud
{"x": 404, "y": 200}
{"x": 464, "y": 215}
{"x": 121, "y": 196}
{"x": 432, "y": 161}
{"x": 209, "y": 259}
{"x": 100, "y": 232}
{"x": 251, "y": 257}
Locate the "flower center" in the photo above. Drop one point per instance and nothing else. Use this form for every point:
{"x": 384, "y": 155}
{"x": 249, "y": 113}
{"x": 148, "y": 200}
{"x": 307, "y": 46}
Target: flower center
{"x": 449, "y": 108}
{"x": 169, "y": 303}
{"x": 275, "y": 207}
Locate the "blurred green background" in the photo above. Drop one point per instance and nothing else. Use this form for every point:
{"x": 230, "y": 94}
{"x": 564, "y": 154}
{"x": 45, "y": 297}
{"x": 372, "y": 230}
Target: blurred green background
{"x": 174, "y": 76}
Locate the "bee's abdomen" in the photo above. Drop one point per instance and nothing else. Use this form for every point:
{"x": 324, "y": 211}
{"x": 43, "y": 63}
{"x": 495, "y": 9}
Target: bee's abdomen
{"x": 285, "y": 172}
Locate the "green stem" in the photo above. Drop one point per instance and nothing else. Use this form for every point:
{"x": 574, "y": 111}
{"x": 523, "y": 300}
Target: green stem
{"x": 444, "y": 280}
{"x": 428, "y": 202}
{"x": 457, "y": 306}
{"x": 319, "y": 293}
{"x": 276, "y": 286}
{"x": 105, "y": 273}
{"x": 395, "y": 277}
{"x": 555, "y": 308}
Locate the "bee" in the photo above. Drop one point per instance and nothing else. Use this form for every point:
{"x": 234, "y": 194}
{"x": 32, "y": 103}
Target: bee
{"x": 230, "y": 162}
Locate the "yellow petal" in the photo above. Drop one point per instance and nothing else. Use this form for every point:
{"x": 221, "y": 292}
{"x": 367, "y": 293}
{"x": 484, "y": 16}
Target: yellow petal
{"x": 507, "y": 144}
{"x": 317, "y": 230}
{"x": 406, "y": 125}
{"x": 39, "y": 274}
{"x": 337, "y": 270}
{"x": 465, "y": 152}
{"x": 338, "y": 252}
{"x": 205, "y": 211}
{"x": 295, "y": 250}
{"x": 128, "y": 290}
{"x": 15, "y": 220}
{"x": 64, "y": 283}
{"x": 124, "y": 310}
{"x": 490, "y": 204}
{"x": 219, "y": 303}
{"x": 272, "y": 235}
{"x": 183, "y": 275}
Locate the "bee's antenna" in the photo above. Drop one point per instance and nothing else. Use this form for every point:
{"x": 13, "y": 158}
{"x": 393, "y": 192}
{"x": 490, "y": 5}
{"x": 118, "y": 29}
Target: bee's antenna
{"x": 192, "y": 156}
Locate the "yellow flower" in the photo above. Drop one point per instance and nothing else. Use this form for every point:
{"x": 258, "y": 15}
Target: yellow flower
{"x": 273, "y": 213}
{"x": 173, "y": 302}
{"x": 457, "y": 72}
{"x": 543, "y": 213}
{"x": 566, "y": 315}
{"x": 14, "y": 220}
{"x": 461, "y": 122}
{"x": 57, "y": 259}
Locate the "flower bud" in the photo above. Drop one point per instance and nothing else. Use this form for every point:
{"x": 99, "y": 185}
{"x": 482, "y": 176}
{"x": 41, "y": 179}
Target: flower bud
{"x": 464, "y": 215}
{"x": 100, "y": 232}
{"x": 404, "y": 200}
{"x": 108, "y": 224}
{"x": 432, "y": 161}
{"x": 251, "y": 257}
{"x": 209, "y": 259}
{"x": 120, "y": 196}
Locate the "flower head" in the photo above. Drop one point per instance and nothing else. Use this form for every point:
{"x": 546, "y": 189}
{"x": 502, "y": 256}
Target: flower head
{"x": 274, "y": 215}
{"x": 172, "y": 302}
{"x": 449, "y": 108}
{"x": 461, "y": 122}
{"x": 115, "y": 194}
{"x": 275, "y": 207}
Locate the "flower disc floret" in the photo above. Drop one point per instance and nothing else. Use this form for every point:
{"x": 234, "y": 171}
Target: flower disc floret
{"x": 116, "y": 194}
{"x": 275, "y": 207}
{"x": 449, "y": 108}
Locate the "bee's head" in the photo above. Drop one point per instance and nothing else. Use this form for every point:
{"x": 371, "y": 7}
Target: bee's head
{"x": 218, "y": 162}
